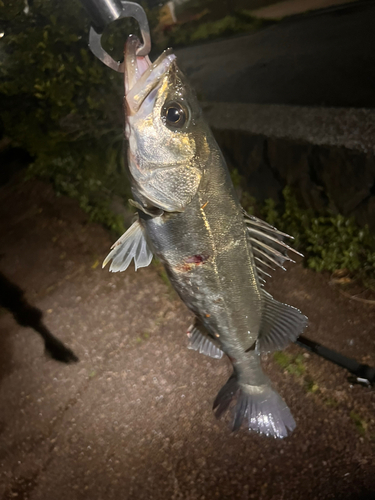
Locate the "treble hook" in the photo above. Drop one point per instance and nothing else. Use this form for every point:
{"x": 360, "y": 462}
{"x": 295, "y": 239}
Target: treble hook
{"x": 103, "y": 12}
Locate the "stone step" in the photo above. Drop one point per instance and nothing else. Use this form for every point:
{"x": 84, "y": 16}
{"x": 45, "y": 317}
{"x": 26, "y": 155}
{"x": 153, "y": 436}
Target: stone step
{"x": 326, "y": 154}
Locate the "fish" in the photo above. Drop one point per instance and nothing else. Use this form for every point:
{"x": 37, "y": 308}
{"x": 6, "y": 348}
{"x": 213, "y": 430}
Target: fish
{"x": 216, "y": 256}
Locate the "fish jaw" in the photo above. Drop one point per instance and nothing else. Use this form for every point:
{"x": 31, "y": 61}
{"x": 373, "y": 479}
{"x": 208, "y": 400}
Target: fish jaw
{"x": 142, "y": 76}
{"x": 164, "y": 165}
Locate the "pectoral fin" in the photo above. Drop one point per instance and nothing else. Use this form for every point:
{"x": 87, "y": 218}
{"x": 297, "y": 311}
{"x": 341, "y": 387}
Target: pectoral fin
{"x": 131, "y": 245}
{"x": 280, "y": 325}
{"x": 201, "y": 341}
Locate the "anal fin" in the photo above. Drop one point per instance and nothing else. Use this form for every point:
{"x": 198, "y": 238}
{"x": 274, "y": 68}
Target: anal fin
{"x": 281, "y": 324}
{"x": 201, "y": 341}
{"x": 131, "y": 245}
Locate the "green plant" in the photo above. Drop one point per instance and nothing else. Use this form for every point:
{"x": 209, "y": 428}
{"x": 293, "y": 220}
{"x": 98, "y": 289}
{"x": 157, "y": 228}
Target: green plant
{"x": 359, "y": 422}
{"x": 203, "y": 29}
{"x": 311, "y": 385}
{"x": 292, "y": 364}
{"x": 62, "y": 105}
{"x": 329, "y": 241}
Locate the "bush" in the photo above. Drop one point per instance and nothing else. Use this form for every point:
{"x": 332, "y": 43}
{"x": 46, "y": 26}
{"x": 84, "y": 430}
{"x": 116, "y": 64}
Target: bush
{"x": 201, "y": 30}
{"x": 330, "y": 242}
{"x": 61, "y": 104}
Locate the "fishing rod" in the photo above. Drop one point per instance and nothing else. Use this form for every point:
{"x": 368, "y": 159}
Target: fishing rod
{"x": 364, "y": 374}
{"x": 103, "y": 13}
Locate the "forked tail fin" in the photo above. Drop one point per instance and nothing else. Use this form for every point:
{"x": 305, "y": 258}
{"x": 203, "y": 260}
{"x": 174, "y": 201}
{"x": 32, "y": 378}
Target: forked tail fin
{"x": 260, "y": 406}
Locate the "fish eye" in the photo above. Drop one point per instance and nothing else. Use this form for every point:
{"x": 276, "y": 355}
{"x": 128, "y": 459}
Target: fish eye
{"x": 174, "y": 115}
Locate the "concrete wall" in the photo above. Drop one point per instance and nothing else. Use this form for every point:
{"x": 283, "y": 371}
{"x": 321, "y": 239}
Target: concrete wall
{"x": 324, "y": 176}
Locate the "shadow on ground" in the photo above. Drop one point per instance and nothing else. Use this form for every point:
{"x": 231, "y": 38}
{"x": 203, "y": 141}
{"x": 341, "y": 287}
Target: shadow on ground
{"x": 12, "y": 298}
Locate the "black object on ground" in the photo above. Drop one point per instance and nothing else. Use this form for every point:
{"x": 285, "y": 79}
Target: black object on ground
{"x": 12, "y": 299}
{"x": 363, "y": 373}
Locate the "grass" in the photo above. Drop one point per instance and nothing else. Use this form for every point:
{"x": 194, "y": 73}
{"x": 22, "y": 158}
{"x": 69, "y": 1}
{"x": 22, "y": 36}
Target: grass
{"x": 295, "y": 365}
{"x": 292, "y": 364}
{"x": 311, "y": 386}
{"x": 359, "y": 422}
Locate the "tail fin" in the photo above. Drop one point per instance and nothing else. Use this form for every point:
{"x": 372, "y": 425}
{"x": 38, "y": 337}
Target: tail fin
{"x": 264, "y": 409}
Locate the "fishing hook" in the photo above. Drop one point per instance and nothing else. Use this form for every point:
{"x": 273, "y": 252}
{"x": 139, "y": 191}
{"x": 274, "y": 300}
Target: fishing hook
{"x": 104, "y": 12}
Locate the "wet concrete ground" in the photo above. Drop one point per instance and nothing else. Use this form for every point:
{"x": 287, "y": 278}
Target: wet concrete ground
{"x": 132, "y": 419}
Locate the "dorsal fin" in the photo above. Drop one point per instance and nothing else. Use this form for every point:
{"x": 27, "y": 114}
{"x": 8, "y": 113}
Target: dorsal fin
{"x": 268, "y": 245}
{"x": 131, "y": 245}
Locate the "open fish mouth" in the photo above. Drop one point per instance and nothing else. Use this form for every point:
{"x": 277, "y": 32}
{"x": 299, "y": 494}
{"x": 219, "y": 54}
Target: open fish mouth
{"x": 141, "y": 75}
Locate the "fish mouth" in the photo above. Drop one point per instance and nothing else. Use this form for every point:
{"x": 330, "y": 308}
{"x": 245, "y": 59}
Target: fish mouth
{"x": 141, "y": 75}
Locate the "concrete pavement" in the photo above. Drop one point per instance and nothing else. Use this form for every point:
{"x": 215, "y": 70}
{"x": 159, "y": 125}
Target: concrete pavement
{"x": 133, "y": 419}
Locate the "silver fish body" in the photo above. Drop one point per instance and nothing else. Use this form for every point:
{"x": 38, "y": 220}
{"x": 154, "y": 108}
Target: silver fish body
{"x": 208, "y": 259}
{"x": 193, "y": 222}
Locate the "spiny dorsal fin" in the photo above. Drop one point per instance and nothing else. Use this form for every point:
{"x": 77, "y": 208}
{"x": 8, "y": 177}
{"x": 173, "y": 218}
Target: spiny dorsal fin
{"x": 131, "y": 245}
{"x": 281, "y": 325}
{"x": 201, "y": 341}
{"x": 268, "y": 245}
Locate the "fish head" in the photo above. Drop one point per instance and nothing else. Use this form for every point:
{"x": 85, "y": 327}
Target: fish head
{"x": 166, "y": 133}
